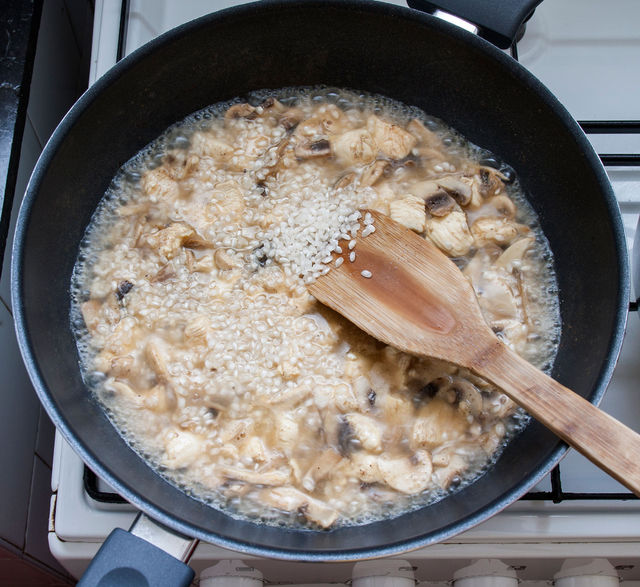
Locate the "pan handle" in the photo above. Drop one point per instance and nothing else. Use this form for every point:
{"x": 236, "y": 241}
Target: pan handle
{"x": 497, "y": 21}
{"x": 130, "y": 558}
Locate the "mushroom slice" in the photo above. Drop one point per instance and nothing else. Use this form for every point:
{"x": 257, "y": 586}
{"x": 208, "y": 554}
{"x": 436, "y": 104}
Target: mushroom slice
{"x": 372, "y": 173}
{"x": 450, "y": 233}
{"x": 366, "y": 430}
{"x": 273, "y": 477}
{"x": 445, "y": 476}
{"x": 313, "y": 149}
{"x": 243, "y": 110}
{"x": 354, "y": 147}
{"x": 291, "y": 118}
{"x": 500, "y": 231}
{"x": 515, "y": 253}
{"x": 424, "y": 189}
{"x": 321, "y": 468}
{"x": 491, "y": 181}
{"x": 392, "y": 140}
{"x": 408, "y": 475}
{"x": 157, "y": 362}
{"x": 182, "y": 448}
{"x": 504, "y": 205}
{"x": 410, "y": 212}
{"x": 365, "y": 467}
{"x": 467, "y": 396}
{"x": 225, "y": 260}
{"x": 459, "y": 189}
{"x": 440, "y": 203}
{"x": 290, "y": 499}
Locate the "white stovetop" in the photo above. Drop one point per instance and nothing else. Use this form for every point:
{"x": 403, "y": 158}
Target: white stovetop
{"x": 585, "y": 52}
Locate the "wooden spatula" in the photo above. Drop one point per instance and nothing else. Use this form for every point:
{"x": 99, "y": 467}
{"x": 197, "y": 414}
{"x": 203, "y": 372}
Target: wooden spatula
{"x": 403, "y": 291}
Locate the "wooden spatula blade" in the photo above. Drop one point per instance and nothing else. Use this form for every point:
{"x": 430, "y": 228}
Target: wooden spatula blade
{"x": 413, "y": 297}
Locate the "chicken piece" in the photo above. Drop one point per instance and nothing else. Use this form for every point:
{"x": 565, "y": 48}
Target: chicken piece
{"x": 496, "y": 295}
{"x": 168, "y": 241}
{"x": 354, "y": 147}
{"x": 500, "y": 231}
{"x": 158, "y": 185}
{"x": 392, "y": 140}
{"x": 290, "y": 499}
{"x": 287, "y": 429}
{"x": 410, "y": 212}
{"x": 450, "y": 233}
{"x": 227, "y": 200}
{"x": 436, "y": 423}
{"x": 321, "y": 468}
{"x": 366, "y": 430}
{"x": 255, "y": 449}
{"x": 274, "y": 477}
{"x": 158, "y": 399}
{"x": 409, "y": 475}
{"x": 206, "y": 145}
{"x": 182, "y": 448}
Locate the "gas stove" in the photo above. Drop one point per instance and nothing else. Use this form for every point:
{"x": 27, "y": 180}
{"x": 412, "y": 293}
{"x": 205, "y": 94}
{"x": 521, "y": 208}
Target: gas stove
{"x": 585, "y": 55}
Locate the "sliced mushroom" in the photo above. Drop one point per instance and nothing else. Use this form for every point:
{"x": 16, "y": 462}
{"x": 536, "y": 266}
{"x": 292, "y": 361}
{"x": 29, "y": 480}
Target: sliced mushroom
{"x": 366, "y": 430}
{"x": 410, "y": 212}
{"x": 458, "y": 188}
{"x": 408, "y": 475}
{"x": 289, "y": 499}
{"x": 156, "y": 360}
{"x": 424, "y": 189}
{"x": 391, "y": 139}
{"x": 321, "y": 468}
{"x": 124, "y": 391}
{"x": 450, "y": 233}
{"x": 467, "y": 396}
{"x": 447, "y": 475}
{"x": 504, "y": 205}
{"x": 313, "y": 149}
{"x": 515, "y": 253}
{"x": 354, "y": 147}
{"x": 271, "y": 477}
{"x": 197, "y": 328}
{"x": 440, "y": 203}
{"x": 158, "y": 399}
{"x": 346, "y": 180}
{"x": 291, "y": 118}
{"x": 241, "y": 111}
{"x": 491, "y": 181}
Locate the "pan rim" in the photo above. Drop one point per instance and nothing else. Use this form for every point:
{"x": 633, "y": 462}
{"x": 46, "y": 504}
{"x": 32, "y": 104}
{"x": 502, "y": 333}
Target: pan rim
{"x": 133, "y": 495}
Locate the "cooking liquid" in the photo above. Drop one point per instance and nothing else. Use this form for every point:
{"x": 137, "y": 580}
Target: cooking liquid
{"x": 219, "y": 371}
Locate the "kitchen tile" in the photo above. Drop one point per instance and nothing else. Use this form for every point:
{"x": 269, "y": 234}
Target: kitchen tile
{"x": 29, "y": 154}
{"x": 54, "y": 83}
{"x": 19, "y": 411}
{"x": 37, "y": 543}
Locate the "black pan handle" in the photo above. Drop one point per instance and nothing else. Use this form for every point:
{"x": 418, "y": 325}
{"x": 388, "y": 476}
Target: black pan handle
{"x": 150, "y": 555}
{"x": 498, "y": 21}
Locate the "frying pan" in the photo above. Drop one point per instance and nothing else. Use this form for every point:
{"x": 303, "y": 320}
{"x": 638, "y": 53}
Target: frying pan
{"x": 407, "y": 55}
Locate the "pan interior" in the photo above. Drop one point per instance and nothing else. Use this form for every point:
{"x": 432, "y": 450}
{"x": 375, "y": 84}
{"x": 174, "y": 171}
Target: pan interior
{"x": 379, "y": 49}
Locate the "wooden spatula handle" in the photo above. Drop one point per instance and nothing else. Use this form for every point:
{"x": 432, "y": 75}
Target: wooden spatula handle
{"x": 608, "y": 443}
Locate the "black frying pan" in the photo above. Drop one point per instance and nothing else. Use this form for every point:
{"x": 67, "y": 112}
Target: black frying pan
{"x": 401, "y": 53}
